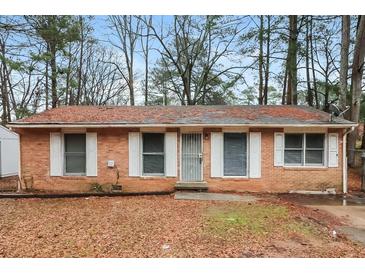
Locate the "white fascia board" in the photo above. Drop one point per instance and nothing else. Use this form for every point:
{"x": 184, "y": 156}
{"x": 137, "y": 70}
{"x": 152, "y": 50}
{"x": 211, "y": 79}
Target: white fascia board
{"x": 116, "y": 125}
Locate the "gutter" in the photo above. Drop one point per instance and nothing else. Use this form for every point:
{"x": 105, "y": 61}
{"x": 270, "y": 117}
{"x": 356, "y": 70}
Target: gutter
{"x": 116, "y": 125}
{"x": 344, "y": 160}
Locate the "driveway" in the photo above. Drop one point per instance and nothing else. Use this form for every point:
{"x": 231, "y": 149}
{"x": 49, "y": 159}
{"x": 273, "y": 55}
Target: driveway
{"x": 351, "y": 212}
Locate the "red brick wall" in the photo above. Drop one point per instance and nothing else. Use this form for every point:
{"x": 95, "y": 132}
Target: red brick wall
{"x": 276, "y": 179}
{"x": 113, "y": 145}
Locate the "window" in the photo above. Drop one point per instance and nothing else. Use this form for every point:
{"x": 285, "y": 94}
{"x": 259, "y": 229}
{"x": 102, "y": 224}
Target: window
{"x": 293, "y": 149}
{"x": 235, "y": 154}
{"x": 153, "y": 154}
{"x": 304, "y": 149}
{"x": 314, "y": 151}
{"x": 75, "y": 154}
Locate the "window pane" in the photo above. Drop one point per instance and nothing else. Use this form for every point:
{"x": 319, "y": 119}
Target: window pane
{"x": 235, "y": 151}
{"x": 153, "y": 142}
{"x": 293, "y": 157}
{"x": 75, "y": 163}
{"x": 75, "y": 143}
{"x": 293, "y": 140}
{"x": 75, "y": 153}
{"x": 153, "y": 164}
{"x": 314, "y": 156}
{"x": 315, "y": 140}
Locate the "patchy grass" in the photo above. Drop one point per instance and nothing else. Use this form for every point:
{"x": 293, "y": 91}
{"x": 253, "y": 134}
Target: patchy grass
{"x": 257, "y": 219}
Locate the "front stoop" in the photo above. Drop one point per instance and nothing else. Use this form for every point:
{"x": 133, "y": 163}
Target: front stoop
{"x": 200, "y": 186}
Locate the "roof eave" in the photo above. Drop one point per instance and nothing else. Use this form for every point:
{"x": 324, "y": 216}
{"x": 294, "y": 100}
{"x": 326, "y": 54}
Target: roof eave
{"x": 116, "y": 125}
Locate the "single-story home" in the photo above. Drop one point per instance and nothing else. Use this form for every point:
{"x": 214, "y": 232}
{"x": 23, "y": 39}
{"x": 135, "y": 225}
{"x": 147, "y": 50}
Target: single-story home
{"x": 157, "y": 148}
{"x": 9, "y": 153}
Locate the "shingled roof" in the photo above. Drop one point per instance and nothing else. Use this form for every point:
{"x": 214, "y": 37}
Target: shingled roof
{"x": 181, "y": 115}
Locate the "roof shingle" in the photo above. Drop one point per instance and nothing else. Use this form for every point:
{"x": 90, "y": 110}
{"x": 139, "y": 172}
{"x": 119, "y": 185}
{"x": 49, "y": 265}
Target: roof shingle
{"x": 176, "y": 115}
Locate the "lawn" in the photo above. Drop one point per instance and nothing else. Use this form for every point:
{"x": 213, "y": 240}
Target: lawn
{"x": 159, "y": 226}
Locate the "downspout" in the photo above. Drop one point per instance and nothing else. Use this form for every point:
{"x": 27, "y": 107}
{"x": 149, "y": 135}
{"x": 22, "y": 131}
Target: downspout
{"x": 19, "y": 186}
{"x": 344, "y": 159}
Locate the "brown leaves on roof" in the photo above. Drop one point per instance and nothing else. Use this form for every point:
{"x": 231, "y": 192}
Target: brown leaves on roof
{"x": 180, "y": 115}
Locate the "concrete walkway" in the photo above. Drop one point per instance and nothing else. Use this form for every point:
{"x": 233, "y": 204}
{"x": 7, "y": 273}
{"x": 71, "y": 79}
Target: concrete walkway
{"x": 205, "y": 196}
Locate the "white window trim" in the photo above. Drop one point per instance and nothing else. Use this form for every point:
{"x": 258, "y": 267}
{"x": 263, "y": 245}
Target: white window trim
{"x": 247, "y": 153}
{"x": 64, "y": 173}
{"x": 152, "y": 175}
{"x": 311, "y": 166}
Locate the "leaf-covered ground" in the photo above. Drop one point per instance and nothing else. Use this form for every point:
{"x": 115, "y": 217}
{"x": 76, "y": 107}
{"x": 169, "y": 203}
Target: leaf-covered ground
{"x": 159, "y": 226}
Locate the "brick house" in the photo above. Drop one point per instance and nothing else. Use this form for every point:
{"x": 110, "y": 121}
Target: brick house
{"x": 158, "y": 148}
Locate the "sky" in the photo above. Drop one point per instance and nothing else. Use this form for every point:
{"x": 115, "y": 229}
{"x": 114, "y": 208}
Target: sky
{"x": 104, "y": 33}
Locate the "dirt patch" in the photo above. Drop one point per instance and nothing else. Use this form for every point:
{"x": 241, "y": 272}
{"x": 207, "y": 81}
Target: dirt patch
{"x": 158, "y": 226}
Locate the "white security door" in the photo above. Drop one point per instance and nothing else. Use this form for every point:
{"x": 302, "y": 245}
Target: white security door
{"x": 192, "y": 158}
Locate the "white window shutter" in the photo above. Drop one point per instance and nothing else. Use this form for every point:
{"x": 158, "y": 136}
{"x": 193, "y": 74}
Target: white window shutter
{"x": 255, "y": 155}
{"x": 56, "y": 154}
{"x": 171, "y": 154}
{"x": 216, "y": 154}
{"x": 333, "y": 150}
{"x": 91, "y": 154}
{"x": 134, "y": 154}
{"x": 278, "y": 149}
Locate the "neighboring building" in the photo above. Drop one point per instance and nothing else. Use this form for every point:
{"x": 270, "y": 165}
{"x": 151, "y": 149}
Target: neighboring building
{"x": 9, "y": 153}
{"x": 153, "y": 148}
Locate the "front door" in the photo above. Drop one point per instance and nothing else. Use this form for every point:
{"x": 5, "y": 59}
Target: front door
{"x": 192, "y": 157}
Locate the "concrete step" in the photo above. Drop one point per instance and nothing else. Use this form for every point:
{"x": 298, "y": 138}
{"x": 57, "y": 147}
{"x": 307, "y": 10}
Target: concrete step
{"x": 206, "y": 196}
{"x": 200, "y": 186}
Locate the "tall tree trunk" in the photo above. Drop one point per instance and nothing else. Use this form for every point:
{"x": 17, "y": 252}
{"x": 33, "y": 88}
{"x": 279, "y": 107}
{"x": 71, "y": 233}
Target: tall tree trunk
{"x": 79, "y": 74}
{"x": 356, "y": 81}
{"x": 284, "y": 95}
{"x": 131, "y": 85}
{"x": 267, "y": 67}
{"x": 326, "y": 93}
{"x": 68, "y": 76}
{"x": 363, "y": 138}
{"x": 146, "y": 75}
{"x": 292, "y": 60}
{"x": 47, "y": 85}
{"x": 146, "y": 61}
{"x": 4, "y": 98}
{"x": 309, "y": 87}
{"x": 53, "y": 75}
{"x": 344, "y": 62}
{"x": 6, "y": 115}
{"x": 312, "y": 64}
{"x": 187, "y": 90}
{"x": 261, "y": 59}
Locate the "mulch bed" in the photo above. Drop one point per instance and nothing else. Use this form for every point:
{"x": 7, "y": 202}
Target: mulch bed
{"x": 157, "y": 226}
